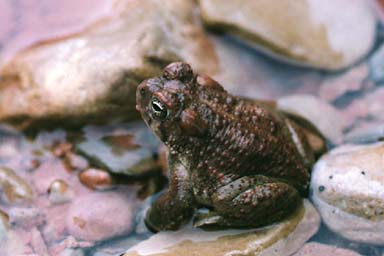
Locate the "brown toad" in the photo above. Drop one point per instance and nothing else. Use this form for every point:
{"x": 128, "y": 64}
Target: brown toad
{"x": 244, "y": 160}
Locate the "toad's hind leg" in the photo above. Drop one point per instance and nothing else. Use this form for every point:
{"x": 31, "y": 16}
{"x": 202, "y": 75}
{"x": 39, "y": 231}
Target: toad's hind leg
{"x": 250, "y": 201}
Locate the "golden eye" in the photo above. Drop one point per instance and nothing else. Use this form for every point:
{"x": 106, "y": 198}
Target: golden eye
{"x": 158, "y": 108}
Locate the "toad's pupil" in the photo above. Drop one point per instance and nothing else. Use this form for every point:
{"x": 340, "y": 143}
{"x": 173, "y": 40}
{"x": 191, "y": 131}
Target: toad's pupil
{"x": 159, "y": 108}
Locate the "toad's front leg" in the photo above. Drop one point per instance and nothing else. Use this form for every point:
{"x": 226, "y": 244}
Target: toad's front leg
{"x": 175, "y": 207}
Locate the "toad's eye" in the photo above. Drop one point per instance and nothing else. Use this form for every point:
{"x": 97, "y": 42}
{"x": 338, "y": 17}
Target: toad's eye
{"x": 159, "y": 109}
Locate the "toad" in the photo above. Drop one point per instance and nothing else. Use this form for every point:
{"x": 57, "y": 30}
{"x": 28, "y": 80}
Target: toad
{"x": 244, "y": 160}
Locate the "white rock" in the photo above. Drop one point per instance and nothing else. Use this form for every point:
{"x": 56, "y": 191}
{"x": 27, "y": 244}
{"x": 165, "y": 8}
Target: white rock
{"x": 348, "y": 190}
{"x": 320, "y": 33}
{"x": 323, "y": 115}
{"x": 282, "y": 238}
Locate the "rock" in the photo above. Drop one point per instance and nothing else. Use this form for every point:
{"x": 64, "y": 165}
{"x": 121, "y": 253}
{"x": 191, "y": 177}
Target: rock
{"x": 348, "y": 190}
{"x": 323, "y": 115}
{"x": 15, "y": 188}
{"x": 47, "y": 173}
{"x": 369, "y": 106}
{"x": 245, "y": 72}
{"x": 351, "y": 81}
{"x": 317, "y": 249}
{"x": 92, "y": 75}
{"x": 4, "y": 225}
{"x": 129, "y": 149}
{"x": 367, "y": 132}
{"x": 315, "y": 33}
{"x": 96, "y": 179}
{"x": 60, "y": 192}
{"x": 101, "y": 215}
{"x": 38, "y": 243}
{"x": 26, "y": 217}
{"x": 376, "y": 65}
{"x": 282, "y": 238}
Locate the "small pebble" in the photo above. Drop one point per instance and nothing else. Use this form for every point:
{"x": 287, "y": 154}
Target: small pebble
{"x": 96, "y": 179}
{"x": 59, "y": 192}
{"x": 14, "y": 187}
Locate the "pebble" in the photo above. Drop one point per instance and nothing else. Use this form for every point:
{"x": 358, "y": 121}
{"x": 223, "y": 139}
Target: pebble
{"x": 101, "y": 215}
{"x": 348, "y": 190}
{"x": 279, "y": 239}
{"x": 15, "y": 188}
{"x": 59, "y": 192}
{"x": 96, "y": 179}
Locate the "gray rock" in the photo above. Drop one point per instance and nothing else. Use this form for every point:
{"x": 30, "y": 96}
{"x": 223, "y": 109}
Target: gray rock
{"x": 282, "y": 238}
{"x": 376, "y": 65}
{"x": 130, "y": 149}
{"x": 348, "y": 190}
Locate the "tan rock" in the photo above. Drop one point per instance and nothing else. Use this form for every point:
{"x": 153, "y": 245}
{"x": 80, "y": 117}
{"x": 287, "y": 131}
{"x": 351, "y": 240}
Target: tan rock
{"x": 282, "y": 238}
{"x": 318, "y": 33}
{"x": 348, "y": 191}
{"x": 92, "y": 76}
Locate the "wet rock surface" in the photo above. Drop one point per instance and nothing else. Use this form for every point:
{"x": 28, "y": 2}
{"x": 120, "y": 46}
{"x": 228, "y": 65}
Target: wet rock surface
{"x": 348, "y": 189}
{"x": 311, "y": 33}
{"x": 282, "y": 238}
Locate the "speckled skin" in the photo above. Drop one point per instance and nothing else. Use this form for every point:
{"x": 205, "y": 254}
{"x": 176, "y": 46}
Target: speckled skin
{"x": 245, "y": 161}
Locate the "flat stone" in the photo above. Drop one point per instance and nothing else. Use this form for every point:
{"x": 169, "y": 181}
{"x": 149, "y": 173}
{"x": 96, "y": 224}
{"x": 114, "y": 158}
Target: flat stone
{"x": 348, "y": 190}
{"x": 318, "y": 33}
{"x": 282, "y": 238}
{"x": 91, "y": 76}
{"x": 317, "y": 249}
{"x": 130, "y": 149}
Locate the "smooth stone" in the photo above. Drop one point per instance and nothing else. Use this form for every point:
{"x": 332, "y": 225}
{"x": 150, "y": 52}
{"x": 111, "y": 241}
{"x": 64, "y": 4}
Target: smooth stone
{"x": 283, "y": 238}
{"x": 351, "y": 81}
{"x": 91, "y": 76}
{"x": 129, "y": 149}
{"x": 101, "y": 215}
{"x": 348, "y": 190}
{"x": 60, "y": 192}
{"x": 376, "y": 65}
{"x": 318, "y": 33}
{"x": 368, "y": 132}
{"x": 26, "y": 217}
{"x": 317, "y": 249}
{"x": 38, "y": 243}
{"x": 4, "y": 225}
{"x": 368, "y": 106}
{"x": 324, "y": 116}
{"x": 14, "y": 187}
